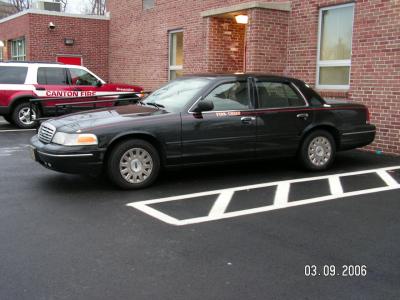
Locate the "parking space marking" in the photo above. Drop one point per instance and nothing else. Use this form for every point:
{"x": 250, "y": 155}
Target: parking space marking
{"x": 224, "y": 196}
{"x": 16, "y": 130}
{"x": 8, "y": 151}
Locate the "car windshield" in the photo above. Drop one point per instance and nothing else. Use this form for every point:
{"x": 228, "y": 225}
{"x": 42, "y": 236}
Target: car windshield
{"x": 175, "y": 95}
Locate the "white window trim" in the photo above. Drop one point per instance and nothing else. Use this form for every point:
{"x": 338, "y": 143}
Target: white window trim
{"x": 172, "y": 67}
{"x": 18, "y": 55}
{"x": 332, "y": 63}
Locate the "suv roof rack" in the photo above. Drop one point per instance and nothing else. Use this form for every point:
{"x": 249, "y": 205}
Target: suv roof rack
{"x": 32, "y": 62}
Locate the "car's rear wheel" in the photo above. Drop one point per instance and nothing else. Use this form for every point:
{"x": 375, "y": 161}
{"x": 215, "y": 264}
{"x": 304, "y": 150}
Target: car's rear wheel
{"x": 21, "y": 116}
{"x": 318, "y": 150}
{"x": 133, "y": 164}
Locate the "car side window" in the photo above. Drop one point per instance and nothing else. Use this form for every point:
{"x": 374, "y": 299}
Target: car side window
{"x": 230, "y": 96}
{"x": 82, "y": 77}
{"x": 13, "y": 75}
{"x": 277, "y": 94}
{"x": 52, "y": 76}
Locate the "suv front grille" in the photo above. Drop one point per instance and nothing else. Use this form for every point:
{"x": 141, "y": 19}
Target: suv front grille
{"x": 46, "y": 133}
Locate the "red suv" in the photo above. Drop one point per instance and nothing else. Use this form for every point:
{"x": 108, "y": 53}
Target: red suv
{"x": 21, "y": 81}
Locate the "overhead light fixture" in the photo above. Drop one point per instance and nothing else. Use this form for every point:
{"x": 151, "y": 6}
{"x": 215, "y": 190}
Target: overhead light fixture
{"x": 1, "y": 44}
{"x": 242, "y": 19}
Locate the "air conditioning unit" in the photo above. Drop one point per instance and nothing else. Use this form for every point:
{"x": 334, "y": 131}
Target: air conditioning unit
{"x": 47, "y": 5}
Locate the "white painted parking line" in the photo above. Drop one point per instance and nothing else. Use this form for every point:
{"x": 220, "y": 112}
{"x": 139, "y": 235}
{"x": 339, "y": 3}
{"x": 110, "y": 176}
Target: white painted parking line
{"x": 280, "y": 201}
{"x": 8, "y": 151}
{"x": 16, "y": 130}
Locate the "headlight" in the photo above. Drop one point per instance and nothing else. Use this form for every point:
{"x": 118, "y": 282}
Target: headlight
{"x": 75, "y": 139}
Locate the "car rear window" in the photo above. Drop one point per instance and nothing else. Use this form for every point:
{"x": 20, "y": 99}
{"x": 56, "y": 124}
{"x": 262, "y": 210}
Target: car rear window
{"x": 13, "y": 75}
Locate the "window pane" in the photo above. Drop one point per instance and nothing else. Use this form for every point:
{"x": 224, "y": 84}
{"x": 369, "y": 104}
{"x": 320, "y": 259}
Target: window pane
{"x": 81, "y": 77}
{"x": 277, "y": 94}
{"x": 147, "y": 4}
{"x": 13, "y": 75}
{"x": 176, "y": 51}
{"x": 336, "y": 33}
{"x": 334, "y": 75}
{"x": 52, "y": 76}
{"x": 230, "y": 96}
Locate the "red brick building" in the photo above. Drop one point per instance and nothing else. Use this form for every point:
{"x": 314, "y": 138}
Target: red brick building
{"x": 345, "y": 49}
{"x": 75, "y": 38}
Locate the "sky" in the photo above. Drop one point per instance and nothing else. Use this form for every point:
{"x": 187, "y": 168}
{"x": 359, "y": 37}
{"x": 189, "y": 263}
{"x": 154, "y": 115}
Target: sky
{"x": 76, "y": 6}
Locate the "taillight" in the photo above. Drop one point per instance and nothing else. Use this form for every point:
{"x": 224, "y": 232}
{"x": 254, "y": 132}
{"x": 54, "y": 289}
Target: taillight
{"x": 367, "y": 115}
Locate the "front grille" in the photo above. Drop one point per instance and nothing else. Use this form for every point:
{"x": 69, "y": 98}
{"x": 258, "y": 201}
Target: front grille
{"x": 46, "y": 133}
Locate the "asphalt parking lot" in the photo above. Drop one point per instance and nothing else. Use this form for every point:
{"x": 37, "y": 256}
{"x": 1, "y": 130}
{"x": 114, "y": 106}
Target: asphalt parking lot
{"x": 243, "y": 231}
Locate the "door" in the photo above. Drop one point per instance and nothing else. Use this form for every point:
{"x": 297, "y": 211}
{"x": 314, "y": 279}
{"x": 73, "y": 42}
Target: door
{"x": 228, "y": 132}
{"x": 70, "y": 60}
{"x": 282, "y": 116}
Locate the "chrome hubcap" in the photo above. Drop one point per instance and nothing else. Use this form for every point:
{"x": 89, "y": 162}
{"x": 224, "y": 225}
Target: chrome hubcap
{"x": 136, "y": 165}
{"x": 24, "y": 116}
{"x": 320, "y": 151}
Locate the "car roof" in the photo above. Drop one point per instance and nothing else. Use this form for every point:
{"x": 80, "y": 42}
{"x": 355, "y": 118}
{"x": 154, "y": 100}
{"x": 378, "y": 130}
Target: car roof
{"x": 240, "y": 76}
{"x": 29, "y": 63}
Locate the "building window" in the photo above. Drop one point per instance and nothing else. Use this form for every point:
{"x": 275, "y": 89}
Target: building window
{"x": 147, "y": 4}
{"x": 334, "y": 47}
{"x": 175, "y": 54}
{"x": 18, "y": 51}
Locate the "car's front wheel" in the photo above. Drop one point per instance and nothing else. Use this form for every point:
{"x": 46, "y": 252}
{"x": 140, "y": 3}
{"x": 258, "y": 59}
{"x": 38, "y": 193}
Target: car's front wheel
{"x": 133, "y": 164}
{"x": 318, "y": 150}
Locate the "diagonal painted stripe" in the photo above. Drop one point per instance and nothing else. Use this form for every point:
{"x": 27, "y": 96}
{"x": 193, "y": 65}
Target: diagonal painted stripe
{"x": 389, "y": 180}
{"x": 281, "y": 197}
{"x": 221, "y": 203}
{"x": 335, "y": 185}
{"x": 282, "y": 194}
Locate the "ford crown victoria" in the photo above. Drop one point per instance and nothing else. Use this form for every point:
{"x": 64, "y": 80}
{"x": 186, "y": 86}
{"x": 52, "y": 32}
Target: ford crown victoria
{"x": 204, "y": 119}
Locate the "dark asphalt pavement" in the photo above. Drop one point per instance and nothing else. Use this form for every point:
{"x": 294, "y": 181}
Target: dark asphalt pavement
{"x": 71, "y": 237}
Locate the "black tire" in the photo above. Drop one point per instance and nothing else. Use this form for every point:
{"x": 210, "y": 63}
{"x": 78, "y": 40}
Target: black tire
{"x": 15, "y": 115}
{"x": 115, "y": 169}
{"x": 9, "y": 119}
{"x": 318, "y": 150}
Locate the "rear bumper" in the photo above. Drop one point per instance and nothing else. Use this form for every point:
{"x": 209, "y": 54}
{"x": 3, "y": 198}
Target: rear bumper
{"x": 75, "y": 160}
{"x": 358, "y": 138}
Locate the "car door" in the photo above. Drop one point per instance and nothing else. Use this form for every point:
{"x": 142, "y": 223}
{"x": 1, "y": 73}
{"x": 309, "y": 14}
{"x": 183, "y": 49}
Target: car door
{"x": 52, "y": 82}
{"x": 228, "y": 132}
{"x": 282, "y": 116}
{"x": 86, "y": 85}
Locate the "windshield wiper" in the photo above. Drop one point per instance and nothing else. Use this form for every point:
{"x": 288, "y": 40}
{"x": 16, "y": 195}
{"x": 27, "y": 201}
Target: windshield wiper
{"x": 155, "y": 104}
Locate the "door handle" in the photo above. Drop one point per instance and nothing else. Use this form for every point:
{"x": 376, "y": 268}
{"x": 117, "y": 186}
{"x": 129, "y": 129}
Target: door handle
{"x": 40, "y": 88}
{"x": 77, "y": 89}
{"x": 303, "y": 116}
{"x": 247, "y": 120}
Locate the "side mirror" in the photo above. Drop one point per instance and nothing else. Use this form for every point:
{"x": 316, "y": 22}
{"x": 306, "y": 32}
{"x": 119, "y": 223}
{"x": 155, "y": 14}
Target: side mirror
{"x": 204, "y": 105}
{"x": 99, "y": 83}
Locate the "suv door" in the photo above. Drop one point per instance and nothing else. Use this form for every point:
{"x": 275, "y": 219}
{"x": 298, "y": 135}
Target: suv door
{"x": 282, "y": 116}
{"x": 86, "y": 84}
{"x": 52, "y": 82}
{"x": 228, "y": 132}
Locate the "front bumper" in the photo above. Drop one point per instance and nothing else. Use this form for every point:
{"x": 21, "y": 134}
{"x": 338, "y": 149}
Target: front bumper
{"x": 75, "y": 160}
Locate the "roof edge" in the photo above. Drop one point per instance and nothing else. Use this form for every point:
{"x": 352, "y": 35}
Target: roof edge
{"x": 284, "y": 6}
{"x": 52, "y": 13}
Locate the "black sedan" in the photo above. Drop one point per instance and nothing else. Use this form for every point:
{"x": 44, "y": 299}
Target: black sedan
{"x": 204, "y": 119}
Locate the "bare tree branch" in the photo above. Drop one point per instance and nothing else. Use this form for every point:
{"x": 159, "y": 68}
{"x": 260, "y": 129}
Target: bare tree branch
{"x": 21, "y": 5}
{"x": 97, "y": 7}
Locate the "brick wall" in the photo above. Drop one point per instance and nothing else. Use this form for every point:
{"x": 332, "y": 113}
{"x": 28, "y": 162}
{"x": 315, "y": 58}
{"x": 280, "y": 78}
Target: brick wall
{"x": 267, "y": 39}
{"x": 225, "y": 45}
{"x": 375, "y": 69}
{"x": 90, "y": 35}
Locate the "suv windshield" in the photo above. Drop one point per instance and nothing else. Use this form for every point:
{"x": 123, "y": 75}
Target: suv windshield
{"x": 13, "y": 75}
{"x": 175, "y": 95}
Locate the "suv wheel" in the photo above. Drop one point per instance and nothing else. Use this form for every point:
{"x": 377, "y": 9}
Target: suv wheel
{"x": 318, "y": 150}
{"x": 22, "y": 118}
{"x": 133, "y": 164}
